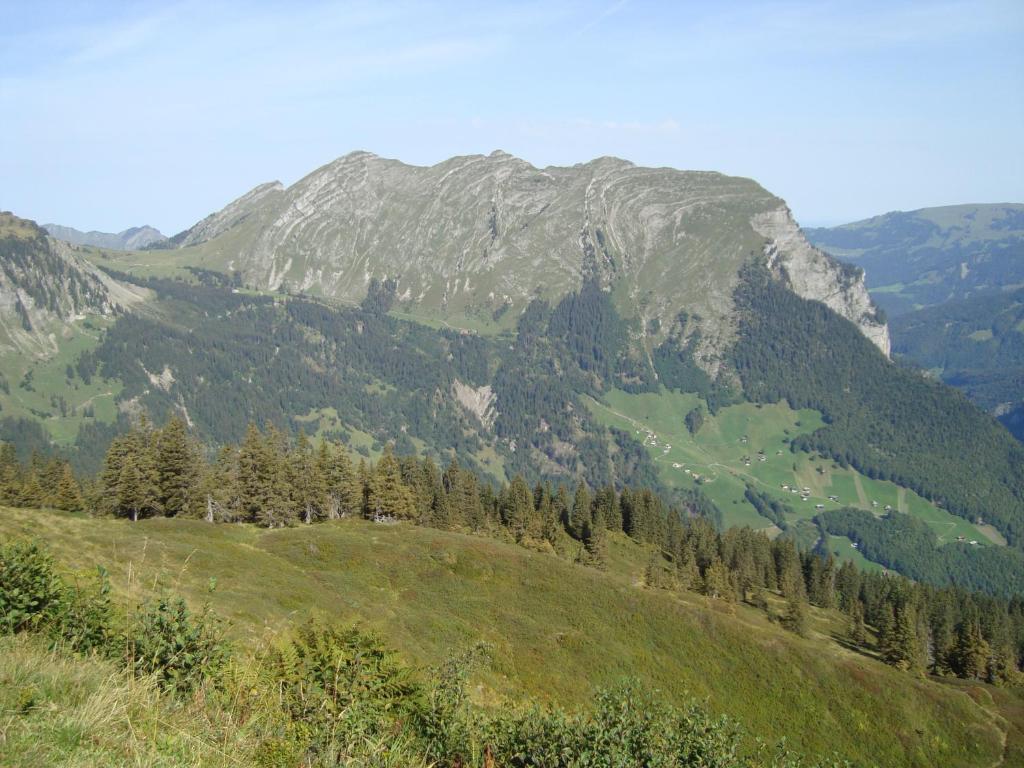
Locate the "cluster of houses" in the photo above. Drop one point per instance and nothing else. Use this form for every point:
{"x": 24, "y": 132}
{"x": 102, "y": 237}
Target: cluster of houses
{"x": 652, "y": 439}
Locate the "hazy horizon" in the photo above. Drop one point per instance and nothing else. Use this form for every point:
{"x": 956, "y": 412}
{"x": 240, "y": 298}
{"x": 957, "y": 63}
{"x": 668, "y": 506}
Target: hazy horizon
{"x": 161, "y": 113}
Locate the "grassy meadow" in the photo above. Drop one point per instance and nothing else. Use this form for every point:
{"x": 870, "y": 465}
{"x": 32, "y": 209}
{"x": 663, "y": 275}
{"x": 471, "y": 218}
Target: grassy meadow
{"x": 556, "y": 629}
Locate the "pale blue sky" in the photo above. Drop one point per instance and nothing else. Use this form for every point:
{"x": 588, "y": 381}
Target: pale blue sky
{"x": 116, "y": 114}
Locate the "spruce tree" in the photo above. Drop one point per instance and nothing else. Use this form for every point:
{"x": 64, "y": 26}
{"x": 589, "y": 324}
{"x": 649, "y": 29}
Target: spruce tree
{"x": 595, "y": 540}
{"x": 688, "y": 573}
{"x": 858, "y": 630}
{"x": 389, "y": 497}
{"x": 307, "y": 483}
{"x": 68, "y": 495}
{"x": 971, "y": 655}
{"x": 581, "y": 516}
{"x": 10, "y": 475}
{"x": 177, "y": 468}
{"x": 716, "y": 581}
{"x": 795, "y": 617}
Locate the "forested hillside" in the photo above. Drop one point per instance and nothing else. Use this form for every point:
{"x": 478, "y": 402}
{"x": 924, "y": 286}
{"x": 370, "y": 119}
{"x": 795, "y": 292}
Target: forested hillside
{"x": 976, "y": 345}
{"x": 884, "y": 420}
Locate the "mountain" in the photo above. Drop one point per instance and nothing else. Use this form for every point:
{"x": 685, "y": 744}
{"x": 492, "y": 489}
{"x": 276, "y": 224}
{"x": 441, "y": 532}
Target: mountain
{"x": 974, "y": 344}
{"x": 45, "y": 285}
{"x": 922, "y": 258}
{"x": 472, "y": 240}
{"x": 950, "y": 279}
{"x": 130, "y": 239}
{"x": 602, "y": 323}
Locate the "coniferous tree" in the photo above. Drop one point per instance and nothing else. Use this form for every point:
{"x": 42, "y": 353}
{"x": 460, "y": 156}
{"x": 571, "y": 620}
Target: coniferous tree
{"x": 515, "y": 503}
{"x": 971, "y": 654}
{"x": 595, "y": 540}
{"x": 307, "y": 483}
{"x": 716, "y": 581}
{"x": 858, "y": 630}
{"x": 68, "y": 494}
{"x": 795, "y": 617}
{"x": 688, "y": 573}
{"x": 580, "y": 517}
{"x": 389, "y": 497}
{"x": 177, "y": 468}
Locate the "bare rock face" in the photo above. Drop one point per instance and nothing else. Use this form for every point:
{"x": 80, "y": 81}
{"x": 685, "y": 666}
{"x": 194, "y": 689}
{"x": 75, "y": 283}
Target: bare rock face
{"x": 812, "y": 274}
{"x": 475, "y": 236}
{"x": 478, "y": 401}
{"x": 45, "y": 285}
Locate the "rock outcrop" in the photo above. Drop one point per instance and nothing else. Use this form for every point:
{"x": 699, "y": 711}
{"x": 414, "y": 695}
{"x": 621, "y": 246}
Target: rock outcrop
{"x": 480, "y": 236}
{"x": 45, "y": 284}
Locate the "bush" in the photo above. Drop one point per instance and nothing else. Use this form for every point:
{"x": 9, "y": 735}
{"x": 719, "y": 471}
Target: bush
{"x": 180, "y": 649}
{"x": 628, "y": 728}
{"x": 30, "y": 590}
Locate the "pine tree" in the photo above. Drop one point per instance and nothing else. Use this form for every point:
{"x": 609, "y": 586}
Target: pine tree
{"x": 177, "y": 468}
{"x": 595, "y": 540}
{"x": 307, "y": 483}
{"x": 901, "y": 647}
{"x": 389, "y": 497}
{"x": 688, "y": 574}
{"x": 581, "y": 516}
{"x": 795, "y": 617}
{"x": 131, "y": 488}
{"x": 68, "y": 495}
{"x": 345, "y": 485}
{"x": 886, "y": 632}
{"x": 218, "y": 488}
{"x": 971, "y": 655}
{"x": 716, "y": 581}
{"x": 858, "y": 630}
{"x": 31, "y": 493}
{"x": 10, "y": 475}
{"x": 515, "y": 505}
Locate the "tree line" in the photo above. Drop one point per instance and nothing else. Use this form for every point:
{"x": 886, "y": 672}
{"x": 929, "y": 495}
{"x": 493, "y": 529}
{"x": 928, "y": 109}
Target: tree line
{"x": 271, "y": 480}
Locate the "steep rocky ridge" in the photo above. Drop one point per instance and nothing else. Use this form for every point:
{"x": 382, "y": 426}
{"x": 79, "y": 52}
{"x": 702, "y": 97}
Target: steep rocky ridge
{"x": 130, "y": 239}
{"x": 476, "y": 238}
{"x": 45, "y": 284}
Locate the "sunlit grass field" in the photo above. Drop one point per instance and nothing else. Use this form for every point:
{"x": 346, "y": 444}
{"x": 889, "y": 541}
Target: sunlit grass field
{"x": 557, "y": 629}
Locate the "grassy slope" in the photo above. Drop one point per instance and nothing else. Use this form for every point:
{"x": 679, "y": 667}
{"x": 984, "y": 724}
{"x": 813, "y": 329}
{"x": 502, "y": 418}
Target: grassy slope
{"x": 80, "y": 713}
{"x": 49, "y": 379}
{"x": 557, "y": 629}
{"x": 717, "y": 452}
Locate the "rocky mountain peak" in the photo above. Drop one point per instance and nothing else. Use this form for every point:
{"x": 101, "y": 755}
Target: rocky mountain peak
{"x": 477, "y": 237}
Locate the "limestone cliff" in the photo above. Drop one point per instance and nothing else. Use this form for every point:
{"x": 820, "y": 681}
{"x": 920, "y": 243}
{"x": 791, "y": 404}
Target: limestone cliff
{"x": 476, "y": 237}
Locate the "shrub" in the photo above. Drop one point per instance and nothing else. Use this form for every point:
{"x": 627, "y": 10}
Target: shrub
{"x": 30, "y": 589}
{"x": 180, "y": 649}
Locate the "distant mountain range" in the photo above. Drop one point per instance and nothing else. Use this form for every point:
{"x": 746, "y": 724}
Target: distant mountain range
{"x": 951, "y": 280}
{"x": 131, "y": 239}
{"x": 922, "y": 258}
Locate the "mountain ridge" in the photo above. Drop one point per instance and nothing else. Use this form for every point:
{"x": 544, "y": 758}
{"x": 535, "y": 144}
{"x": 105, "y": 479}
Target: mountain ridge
{"x": 474, "y": 236}
{"x": 130, "y": 239}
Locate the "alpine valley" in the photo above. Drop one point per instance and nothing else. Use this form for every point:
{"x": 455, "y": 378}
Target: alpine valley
{"x": 673, "y": 423}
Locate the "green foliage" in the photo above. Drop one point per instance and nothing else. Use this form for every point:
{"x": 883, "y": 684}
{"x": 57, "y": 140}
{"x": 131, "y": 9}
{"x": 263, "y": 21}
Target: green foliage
{"x": 30, "y": 590}
{"x": 885, "y": 421}
{"x": 180, "y": 649}
{"x": 628, "y": 727}
{"x": 909, "y": 546}
{"x": 331, "y": 681}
